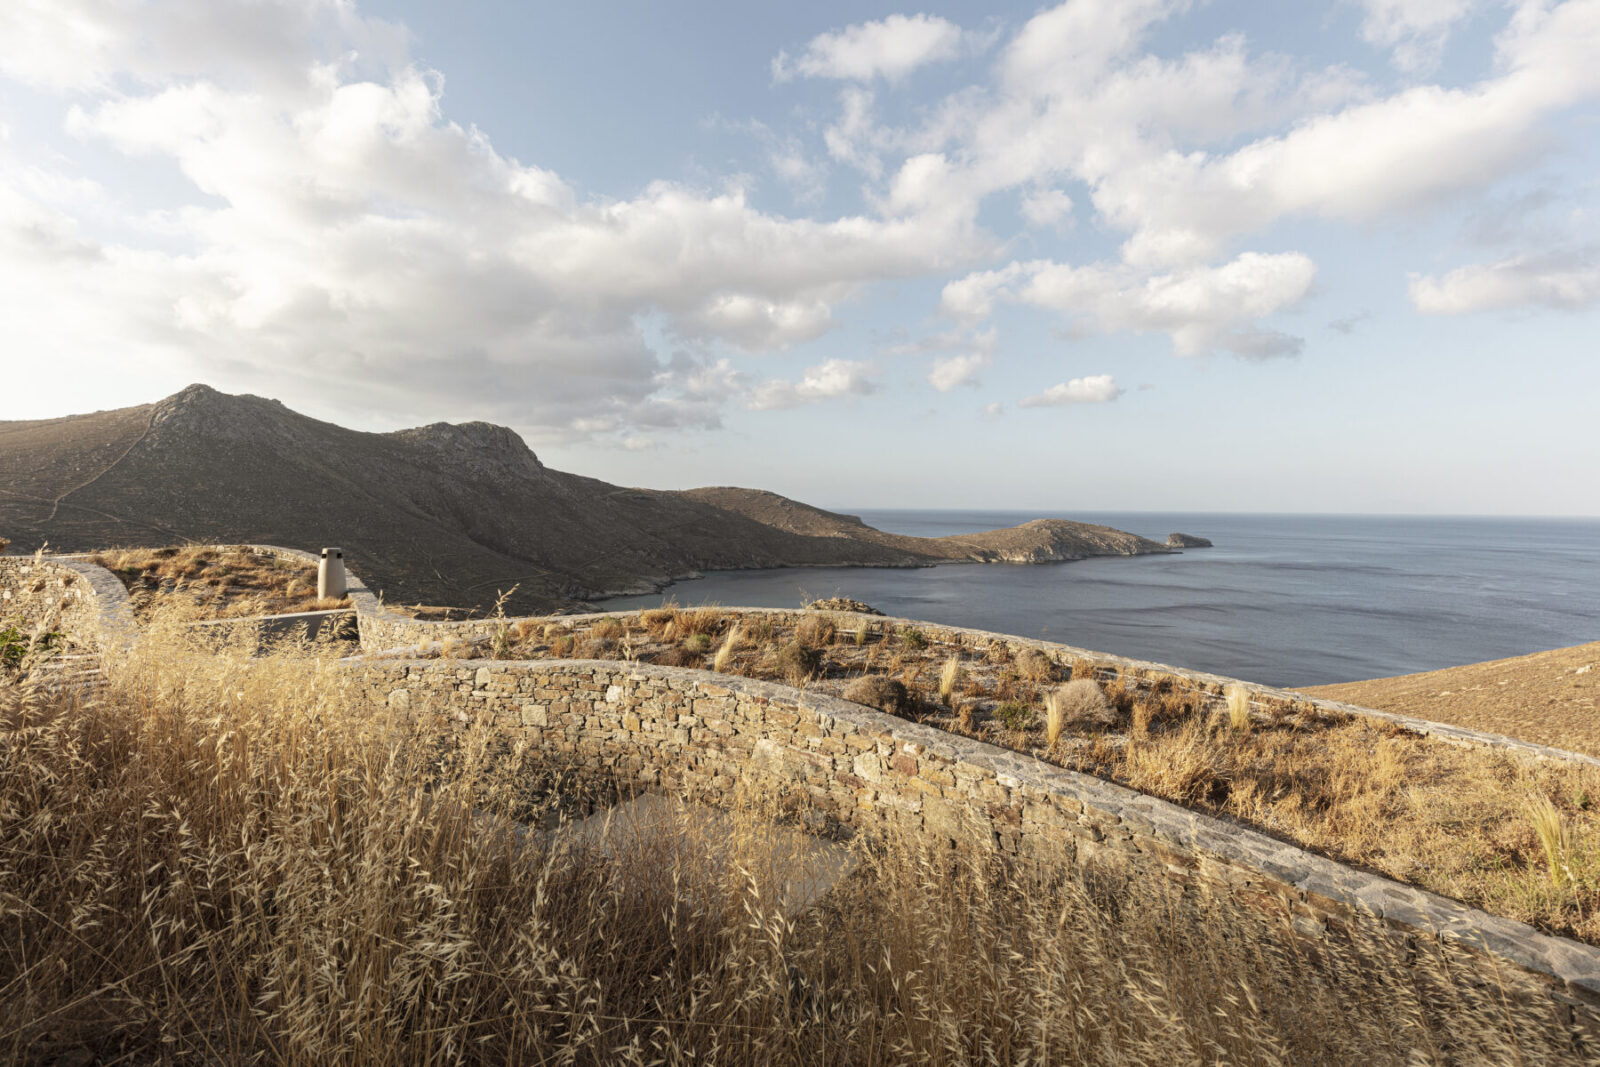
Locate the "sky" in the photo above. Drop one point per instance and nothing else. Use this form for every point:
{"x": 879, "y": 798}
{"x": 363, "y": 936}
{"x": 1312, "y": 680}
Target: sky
{"x": 1105, "y": 255}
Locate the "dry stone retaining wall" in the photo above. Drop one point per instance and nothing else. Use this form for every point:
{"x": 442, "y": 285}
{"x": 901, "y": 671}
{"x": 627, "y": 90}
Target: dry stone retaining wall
{"x": 847, "y": 768}
{"x": 383, "y": 630}
{"x": 73, "y": 596}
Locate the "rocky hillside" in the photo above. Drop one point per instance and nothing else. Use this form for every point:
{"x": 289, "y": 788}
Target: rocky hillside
{"x": 439, "y": 514}
{"x": 1039, "y": 541}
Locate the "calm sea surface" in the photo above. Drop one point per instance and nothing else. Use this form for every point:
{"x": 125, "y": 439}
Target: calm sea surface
{"x": 1281, "y": 599}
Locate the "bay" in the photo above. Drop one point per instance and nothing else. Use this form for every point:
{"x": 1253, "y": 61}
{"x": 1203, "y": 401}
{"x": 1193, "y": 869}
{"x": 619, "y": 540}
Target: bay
{"x": 1281, "y": 599}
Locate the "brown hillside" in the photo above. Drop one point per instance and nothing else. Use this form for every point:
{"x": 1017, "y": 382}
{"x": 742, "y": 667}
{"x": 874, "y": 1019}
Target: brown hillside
{"x": 1552, "y": 697}
{"x": 441, "y": 513}
{"x": 1039, "y": 541}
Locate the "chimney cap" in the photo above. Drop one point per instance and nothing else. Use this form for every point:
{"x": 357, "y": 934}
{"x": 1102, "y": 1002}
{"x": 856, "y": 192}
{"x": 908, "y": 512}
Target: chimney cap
{"x": 337, "y": 553}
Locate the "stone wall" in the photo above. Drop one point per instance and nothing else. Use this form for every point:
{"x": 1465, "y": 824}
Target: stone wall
{"x": 847, "y": 769}
{"x": 72, "y": 596}
{"x": 385, "y": 631}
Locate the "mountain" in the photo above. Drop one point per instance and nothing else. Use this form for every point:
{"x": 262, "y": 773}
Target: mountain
{"x": 444, "y": 514}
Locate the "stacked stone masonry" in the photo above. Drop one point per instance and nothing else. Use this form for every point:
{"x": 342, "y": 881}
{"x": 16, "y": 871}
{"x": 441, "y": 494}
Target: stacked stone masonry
{"x": 846, "y": 769}
{"x": 71, "y": 596}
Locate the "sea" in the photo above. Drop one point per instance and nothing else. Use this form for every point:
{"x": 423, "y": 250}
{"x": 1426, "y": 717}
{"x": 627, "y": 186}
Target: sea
{"x": 1287, "y": 600}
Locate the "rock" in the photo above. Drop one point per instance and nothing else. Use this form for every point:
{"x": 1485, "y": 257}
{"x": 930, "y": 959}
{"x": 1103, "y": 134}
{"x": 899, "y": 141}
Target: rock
{"x": 1183, "y": 540}
{"x": 842, "y": 603}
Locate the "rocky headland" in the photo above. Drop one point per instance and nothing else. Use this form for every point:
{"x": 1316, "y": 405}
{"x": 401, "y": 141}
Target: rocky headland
{"x": 439, "y": 514}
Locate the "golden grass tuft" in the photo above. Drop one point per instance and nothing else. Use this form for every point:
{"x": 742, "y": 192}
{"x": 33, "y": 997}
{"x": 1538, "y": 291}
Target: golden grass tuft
{"x": 1079, "y": 702}
{"x": 950, "y": 677}
{"x": 1238, "y": 701}
{"x": 1555, "y": 837}
{"x": 701, "y": 620}
{"x": 1034, "y": 666}
{"x": 730, "y": 644}
{"x": 815, "y": 631}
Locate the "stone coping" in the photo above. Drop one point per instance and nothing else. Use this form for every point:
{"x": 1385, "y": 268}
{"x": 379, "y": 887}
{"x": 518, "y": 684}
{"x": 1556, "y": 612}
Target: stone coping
{"x": 1308, "y": 876}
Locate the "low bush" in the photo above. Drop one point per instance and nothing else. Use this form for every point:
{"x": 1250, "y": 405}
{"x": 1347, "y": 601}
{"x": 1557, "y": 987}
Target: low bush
{"x": 1014, "y": 715}
{"x": 1034, "y": 666}
{"x": 797, "y": 662}
{"x": 1080, "y": 703}
{"x": 877, "y": 691}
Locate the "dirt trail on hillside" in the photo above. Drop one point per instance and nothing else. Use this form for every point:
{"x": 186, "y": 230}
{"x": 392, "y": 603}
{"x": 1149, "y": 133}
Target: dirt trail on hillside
{"x": 1552, "y": 697}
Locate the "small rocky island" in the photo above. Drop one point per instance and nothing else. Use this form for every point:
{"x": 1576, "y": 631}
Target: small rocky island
{"x": 1183, "y": 540}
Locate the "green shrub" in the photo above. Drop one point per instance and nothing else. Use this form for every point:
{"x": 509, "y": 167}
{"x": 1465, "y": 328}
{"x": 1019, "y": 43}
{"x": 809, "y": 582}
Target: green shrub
{"x": 1014, "y": 714}
{"x": 913, "y": 638}
{"x": 17, "y": 646}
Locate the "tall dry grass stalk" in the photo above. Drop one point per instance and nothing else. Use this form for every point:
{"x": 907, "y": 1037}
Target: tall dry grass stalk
{"x": 1238, "y": 698}
{"x": 950, "y": 678}
{"x": 730, "y": 645}
{"x": 1555, "y": 837}
{"x": 228, "y": 859}
{"x": 1055, "y": 718}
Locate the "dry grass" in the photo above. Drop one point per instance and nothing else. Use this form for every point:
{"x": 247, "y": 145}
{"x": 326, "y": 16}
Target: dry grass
{"x": 1080, "y": 703}
{"x": 1452, "y": 820}
{"x": 233, "y": 860}
{"x": 1555, "y": 837}
{"x": 1446, "y": 818}
{"x": 1238, "y": 699}
{"x": 949, "y": 678}
{"x": 1552, "y": 697}
{"x": 730, "y": 645}
{"x": 214, "y": 583}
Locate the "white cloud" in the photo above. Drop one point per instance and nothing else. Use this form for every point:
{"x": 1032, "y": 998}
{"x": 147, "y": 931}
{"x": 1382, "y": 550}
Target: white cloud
{"x": 852, "y": 138}
{"x": 85, "y": 44}
{"x": 1098, "y": 389}
{"x": 1046, "y": 207}
{"x": 1405, "y": 152}
{"x": 1415, "y": 29}
{"x": 973, "y": 297}
{"x": 952, "y": 371}
{"x": 833, "y": 378}
{"x": 891, "y": 49}
{"x": 1566, "y": 281}
{"x": 342, "y": 233}
{"x": 1202, "y": 309}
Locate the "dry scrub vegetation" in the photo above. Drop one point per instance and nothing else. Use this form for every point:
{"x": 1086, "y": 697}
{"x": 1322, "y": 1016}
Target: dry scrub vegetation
{"x": 225, "y": 859}
{"x": 214, "y": 583}
{"x": 1455, "y": 820}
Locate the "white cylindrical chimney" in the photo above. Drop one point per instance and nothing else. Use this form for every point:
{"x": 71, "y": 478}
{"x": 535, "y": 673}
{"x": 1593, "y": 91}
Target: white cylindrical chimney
{"x": 330, "y": 575}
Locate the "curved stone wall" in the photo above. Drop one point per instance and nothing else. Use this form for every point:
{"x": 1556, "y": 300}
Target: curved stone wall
{"x": 391, "y": 633}
{"x": 67, "y": 594}
{"x": 850, "y": 769}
